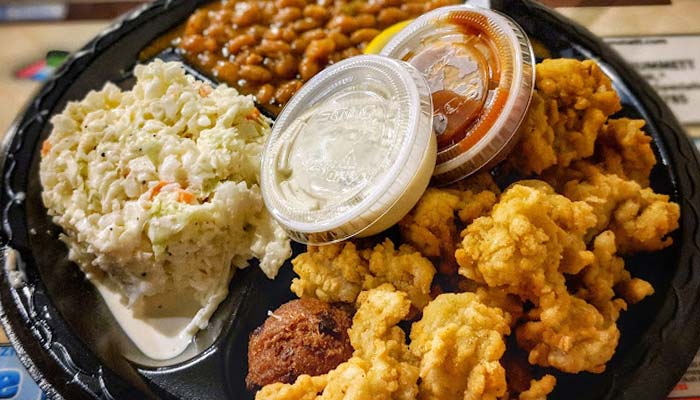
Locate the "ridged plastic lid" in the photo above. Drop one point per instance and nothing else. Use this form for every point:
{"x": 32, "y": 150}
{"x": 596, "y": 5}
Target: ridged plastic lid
{"x": 346, "y": 148}
{"x": 480, "y": 67}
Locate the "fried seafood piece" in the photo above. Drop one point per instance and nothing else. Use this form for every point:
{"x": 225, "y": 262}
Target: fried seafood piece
{"x": 640, "y": 218}
{"x": 302, "y": 337}
{"x": 539, "y": 389}
{"x": 531, "y": 237}
{"x": 599, "y": 281}
{"x": 382, "y": 367}
{"x": 567, "y": 333}
{"x": 459, "y": 342}
{"x": 431, "y": 227}
{"x": 339, "y": 272}
{"x": 624, "y": 149}
{"x": 572, "y": 101}
{"x": 333, "y": 273}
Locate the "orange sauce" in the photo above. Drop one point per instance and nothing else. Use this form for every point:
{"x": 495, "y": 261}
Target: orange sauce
{"x": 465, "y": 79}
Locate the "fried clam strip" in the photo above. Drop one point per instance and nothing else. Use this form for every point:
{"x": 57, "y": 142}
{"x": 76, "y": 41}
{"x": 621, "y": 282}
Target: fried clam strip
{"x": 431, "y": 227}
{"x": 531, "y": 237}
{"x": 339, "y": 272}
{"x": 459, "y": 342}
{"x": 382, "y": 367}
{"x": 625, "y": 150}
{"x": 640, "y": 218}
{"x": 572, "y": 101}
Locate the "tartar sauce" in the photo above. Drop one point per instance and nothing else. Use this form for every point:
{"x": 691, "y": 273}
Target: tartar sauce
{"x": 352, "y": 153}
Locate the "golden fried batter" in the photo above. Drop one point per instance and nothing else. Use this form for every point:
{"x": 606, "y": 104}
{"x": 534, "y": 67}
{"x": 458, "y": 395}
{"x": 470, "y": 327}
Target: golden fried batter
{"x": 625, "y": 150}
{"x": 337, "y": 273}
{"x": 607, "y": 272}
{"x": 382, "y": 367}
{"x": 531, "y": 236}
{"x": 569, "y": 334}
{"x": 333, "y": 273}
{"x": 431, "y": 227}
{"x": 459, "y": 342}
{"x": 640, "y": 218}
{"x": 539, "y": 389}
{"x": 572, "y": 102}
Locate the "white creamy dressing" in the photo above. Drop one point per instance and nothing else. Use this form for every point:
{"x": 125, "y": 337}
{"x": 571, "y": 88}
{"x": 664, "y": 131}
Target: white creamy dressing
{"x": 160, "y": 326}
{"x": 332, "y": 153}
{"x": 14, "y": 267}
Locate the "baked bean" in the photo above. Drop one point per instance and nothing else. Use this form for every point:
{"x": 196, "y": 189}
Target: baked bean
{"x": 390, "y": 16}
{"x": 255, "y": 73}
{"x": 316, "y": 12}
{"x": 370, "y": 8}
{"x": 257, "y": 31}
{"x": 226, "y": 71}
{"x": 314, "y": 35}
{"x": 320, "y": 49}
{"x": 288, "y": 15}
{"x": 237, "y": 43}
{"x": 253, "y": 59}
{"x": 272, "y": 47}
{"x": 217, "y": 32}
{"x": 351, "y": 52}
{"x": 207, "y": 60}
{"x": 222, "y": 17}
{"x": 363, "y": 35}
{"x": 274, "y": 33}
{"x": 305, "y": 24}
{"x": 413, "y": 8}
{"x": 286, "y": 91}
{"x": 389, "y": 3}
{"x": 437, "y": 4}
{"x": 197, "y": 22}
{"x": 288, "y": 35}
{"x": 299, "y": 45}
{"x": 269, "y": 11}
{"x": 290, "y": 3}
{"x": 344, "y": 23}
{"x": 285, "y": 66}
{"x": 341, "y": 41}
{"x": 246, "y": 14}
{"x": 194, "y": 43}
{"x": 366, "y": 21}
{"x": 308, "y": 68}
{"x": 265, "y": 94}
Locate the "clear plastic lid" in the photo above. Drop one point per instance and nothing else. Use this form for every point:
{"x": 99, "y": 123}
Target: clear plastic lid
{"x": 480, "y": 68}
{"x": 349, "y": 152}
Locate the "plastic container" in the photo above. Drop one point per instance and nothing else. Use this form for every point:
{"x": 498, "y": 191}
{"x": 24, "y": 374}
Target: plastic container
{"x": 480, "y": 67}
{"x": 352, "y": 152}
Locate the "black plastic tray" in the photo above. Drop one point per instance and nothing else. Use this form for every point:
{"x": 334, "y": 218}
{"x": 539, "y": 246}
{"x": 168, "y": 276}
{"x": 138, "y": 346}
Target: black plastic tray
{"x": 73, "y": 347}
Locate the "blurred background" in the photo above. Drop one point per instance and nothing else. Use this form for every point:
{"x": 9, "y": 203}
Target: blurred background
{"x": 661, "y": 38}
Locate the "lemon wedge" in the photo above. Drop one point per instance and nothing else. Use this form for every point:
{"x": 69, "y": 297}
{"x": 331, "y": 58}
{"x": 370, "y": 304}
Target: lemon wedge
{"x": 378, "y": 43}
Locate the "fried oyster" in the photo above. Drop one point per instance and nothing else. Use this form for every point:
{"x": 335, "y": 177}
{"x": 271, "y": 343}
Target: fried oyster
{"x": 459, "y": 342}
{"x": 339, "y": 272}
{"x": 572, "y": 101}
